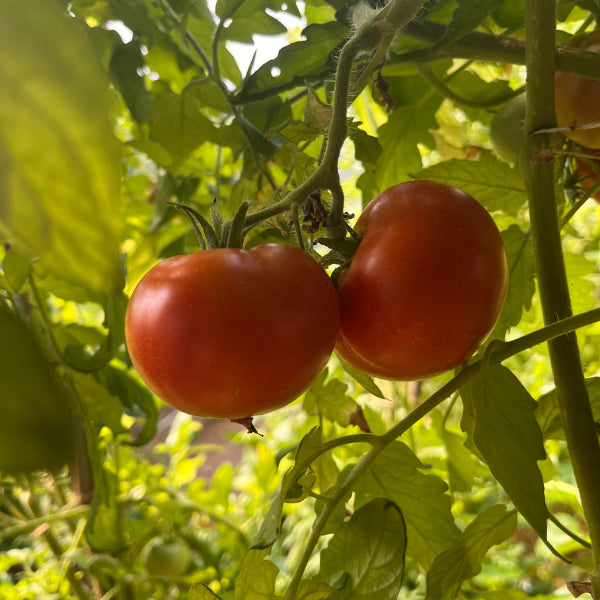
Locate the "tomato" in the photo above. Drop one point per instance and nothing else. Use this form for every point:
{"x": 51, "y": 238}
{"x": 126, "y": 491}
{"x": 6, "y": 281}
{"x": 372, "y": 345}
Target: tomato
{"x": 507, "y": 129}
{"x": 426, "y": 285}
{"x": 230, "y": 333}
{"x": 578, "y": 98}
{"x": 166, "y": 557}
{"x": 586, "y": 177}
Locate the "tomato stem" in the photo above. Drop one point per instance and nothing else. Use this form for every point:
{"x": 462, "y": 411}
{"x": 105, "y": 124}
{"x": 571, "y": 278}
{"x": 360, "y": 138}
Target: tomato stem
{"x": 538, "y": 167}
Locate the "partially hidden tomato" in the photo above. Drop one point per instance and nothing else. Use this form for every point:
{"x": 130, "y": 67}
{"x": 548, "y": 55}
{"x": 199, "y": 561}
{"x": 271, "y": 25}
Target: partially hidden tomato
{"x": 578, "y": 97}
{"x": 507, "y": 129}
{"x": 231, "y": 333}
{"x": 586, "y": 176}
{"x": 166, "y": 557}
{"x": 426, "y": 285}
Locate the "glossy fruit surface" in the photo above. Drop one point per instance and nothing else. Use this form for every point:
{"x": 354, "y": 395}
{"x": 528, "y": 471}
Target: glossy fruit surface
{"x": 166, "y": 557}
{"x": 231, "y": 333}
{"x": 507, "y": 129}
{"x": 426, "y": 285}
{"x": 578, "y": 97}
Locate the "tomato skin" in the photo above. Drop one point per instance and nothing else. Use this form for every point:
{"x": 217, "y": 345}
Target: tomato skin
{"x": 426, "y": 285}
{"x": 231, "y": 333}
{"x": 586, "y": 176}
{"x": 578, "y": 98}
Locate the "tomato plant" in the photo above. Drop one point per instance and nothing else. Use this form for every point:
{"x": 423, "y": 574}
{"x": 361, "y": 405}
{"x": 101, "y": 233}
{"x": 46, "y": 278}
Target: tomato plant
{"x": 426, "y": 285}
{"x": 578, "y": 98}
{"x": 166, "y": 557}
{"x": 232, "y": 333}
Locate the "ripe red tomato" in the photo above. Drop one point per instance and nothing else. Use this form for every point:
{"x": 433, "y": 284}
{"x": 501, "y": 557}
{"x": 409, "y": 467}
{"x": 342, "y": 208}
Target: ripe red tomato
{"x": 232, "y": 333}
{"x": 426, "y": 285}
{"x": 578, "y": 98}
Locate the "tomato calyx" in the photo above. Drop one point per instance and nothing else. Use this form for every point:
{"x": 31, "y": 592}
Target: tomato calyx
{"x": 248, "y": 423}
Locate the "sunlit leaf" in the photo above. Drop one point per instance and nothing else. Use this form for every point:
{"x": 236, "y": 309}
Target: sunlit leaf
{"x": 490, "y": 181}
{"x": 59, "y": 161}
{"x": 256, "y": 579}
{"x": 463, "y": 559}
{"x": 397, "y": 475}
{"x": 329, "y": 399}
{"x": 406, "y": 127}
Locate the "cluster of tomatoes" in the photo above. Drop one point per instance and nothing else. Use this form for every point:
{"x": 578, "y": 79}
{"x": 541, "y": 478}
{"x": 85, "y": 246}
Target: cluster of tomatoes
{"x": 231, "y": 333}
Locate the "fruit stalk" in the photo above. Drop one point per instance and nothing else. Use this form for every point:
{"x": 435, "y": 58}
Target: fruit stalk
{"x": 538, "y": 165}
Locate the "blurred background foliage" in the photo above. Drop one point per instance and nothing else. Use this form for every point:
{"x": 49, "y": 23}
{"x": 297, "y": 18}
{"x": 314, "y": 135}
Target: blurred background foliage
{"x": 112, "y": 107}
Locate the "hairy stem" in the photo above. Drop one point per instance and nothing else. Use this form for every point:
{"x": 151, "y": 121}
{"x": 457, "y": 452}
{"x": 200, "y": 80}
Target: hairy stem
{"x": 538, "y": 166}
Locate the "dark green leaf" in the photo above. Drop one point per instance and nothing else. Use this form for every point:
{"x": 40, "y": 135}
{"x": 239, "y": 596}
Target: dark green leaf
{"x": 126, "y": 67}
{"x": 467, "y": 16}
{"x": 508, "y": 437}
{"x": 59, "y": 162}
{"x": 490, "y": 181}
{"x": 295, "y": 63}
{"x": 37, "y": 422}
{"x": 135, "y": 397}
{"x": 368, "y": 551}
{"x": 463, "y": 559}
{"x": 397, "y": 475}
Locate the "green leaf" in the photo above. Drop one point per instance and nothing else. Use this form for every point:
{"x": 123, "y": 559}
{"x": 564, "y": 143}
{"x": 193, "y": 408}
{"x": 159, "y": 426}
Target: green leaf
{"x": 508, "y": 437}
{"x": 37, "y": 422}
{"x": 329, "y": 399}
{"x": 256, "y": 579}
{"x": 368, "y": 551}
{"x": 179, "y": 126}
{"x": 314, "y": 590}
{"x": 463, "y": 559}
{"x": 135, "y": 397}
{"x": 490, "y": 181}
{"x": 466, "y": 17}
{"x": 406, "y": 127}
{"x": 548, "y": 411}
{"x": 308, "y": 451}
{"x": 521, "y": 282}
{"x": 461, "y": 464}
{"x": 200, "y": 592}
{"x": 295, "y": 63}
{"x": 396, "y": 474}
{"x": 16, "y": 269}
{"x": 59, "y": 162}
{"x": 364, "y": 380}
{"x": 126, "y": 66}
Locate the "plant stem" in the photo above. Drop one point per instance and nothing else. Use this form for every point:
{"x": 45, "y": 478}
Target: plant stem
{"x": 379, "y": 442}
{"x": 538, "y": 165}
